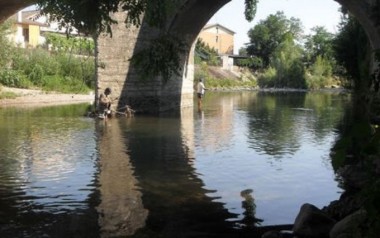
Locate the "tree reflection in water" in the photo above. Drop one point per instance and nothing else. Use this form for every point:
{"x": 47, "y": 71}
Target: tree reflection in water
{"x": 249, "y": 206}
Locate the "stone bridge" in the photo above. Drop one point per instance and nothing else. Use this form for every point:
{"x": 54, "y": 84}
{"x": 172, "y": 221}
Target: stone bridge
{"x": 114, "y": 69}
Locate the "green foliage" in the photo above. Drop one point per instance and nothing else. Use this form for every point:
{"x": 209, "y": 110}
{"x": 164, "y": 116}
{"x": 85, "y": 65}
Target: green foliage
{"x": 12, "y": 78}
{"x": 268, "y": 78}
{"x": 252, "y": 63}
{"x": 268, "y": 34}
{"x": 26, "y": 60}
{"x": 93, "y": 17}
{"x": 319, "y": 43}
{"x": 74, "y": 45}
{"x": 286, "y": 60}
{"x": 351, "y": 47}
{"x": 250, "y": 9}
{"x": 7, "y": 95}
{"x": 63, "y": 84}
{"x": 36, "y": 75}
{"x": 161, "y": 58}
{"x": 206, "y": 54}
{"x": 321, "y": 67}
{"x": 227, "y": 83}
{"x": 35, "y": 67}
{"x": 320, "y": 74}
{"x": 5, "y": 49}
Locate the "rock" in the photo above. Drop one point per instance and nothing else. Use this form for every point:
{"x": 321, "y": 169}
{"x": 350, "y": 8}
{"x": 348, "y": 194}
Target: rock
{"x": 354, "y": 176}
{"x": 278, "y": 234}
{"x": 312, "y": 222}
{"x": 349, "y": 226}
{"x": 347, "y": 204}
{"x": 271, "y": 234}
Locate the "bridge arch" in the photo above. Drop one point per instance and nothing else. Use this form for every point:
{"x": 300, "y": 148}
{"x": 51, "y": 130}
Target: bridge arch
{"x": 156, "y": 96}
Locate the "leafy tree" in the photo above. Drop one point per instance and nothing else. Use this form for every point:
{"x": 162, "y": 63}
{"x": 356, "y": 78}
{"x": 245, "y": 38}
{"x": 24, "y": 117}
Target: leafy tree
{"x": 93, "y": 17}
{"x": 243, "y": 51}
{"x": 319, "y": 43}
{"x": 351, "y": 47}
{"x": 5, "y": 49}
{"x": 268, "y": 34}
{"x": 287, "y": 60}
{"x": 252, "y": 62}
{"x": 75, "y": 45}
{"x": 206, "y": 53}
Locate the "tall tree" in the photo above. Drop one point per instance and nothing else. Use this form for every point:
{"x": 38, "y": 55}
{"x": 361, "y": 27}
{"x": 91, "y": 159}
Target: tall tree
{"x": 271, "y": 32}
{"x": 5, "y": 50}
{"x": 351, "y": 47}
{"x": 319, "y": 43}
{"x": 287, "y": 60}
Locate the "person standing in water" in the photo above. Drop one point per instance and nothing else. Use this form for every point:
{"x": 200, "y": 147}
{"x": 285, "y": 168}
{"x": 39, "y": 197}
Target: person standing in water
{"x": 200, "y": 92}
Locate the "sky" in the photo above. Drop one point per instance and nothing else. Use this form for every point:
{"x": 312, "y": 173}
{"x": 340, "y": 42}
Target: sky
{"x": 311, "y": 13}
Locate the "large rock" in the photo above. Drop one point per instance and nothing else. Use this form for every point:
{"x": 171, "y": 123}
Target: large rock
{"x": 312, "y": 222}
{"x": 349, "y": 227}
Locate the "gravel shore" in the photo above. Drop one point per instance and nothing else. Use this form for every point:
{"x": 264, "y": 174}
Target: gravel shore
{"x": 32, "y": 98}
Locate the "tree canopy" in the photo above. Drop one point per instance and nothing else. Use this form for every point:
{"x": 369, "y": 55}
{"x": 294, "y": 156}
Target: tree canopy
{"x": 319, "y": 43}
{"x": 268, "y": 34}
{"x": 93, "y": 16}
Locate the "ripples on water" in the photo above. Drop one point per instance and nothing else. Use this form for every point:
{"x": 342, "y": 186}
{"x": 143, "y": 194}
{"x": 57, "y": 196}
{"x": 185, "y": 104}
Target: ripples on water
{"x": 246, "y": 159}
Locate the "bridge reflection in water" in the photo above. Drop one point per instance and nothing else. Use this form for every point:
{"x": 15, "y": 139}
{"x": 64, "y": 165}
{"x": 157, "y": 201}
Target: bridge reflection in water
{"x": 65, "y": 176}
{"x": 149, "y": 187}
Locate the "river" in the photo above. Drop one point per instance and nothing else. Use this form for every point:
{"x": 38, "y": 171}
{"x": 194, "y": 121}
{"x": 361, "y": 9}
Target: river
{"x": 246, "y": 160}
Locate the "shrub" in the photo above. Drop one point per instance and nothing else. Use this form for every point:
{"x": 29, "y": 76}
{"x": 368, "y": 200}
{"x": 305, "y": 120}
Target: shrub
{"x": 75, "y": 45}
{"x": 319, "y": 75}
{"x": 64, "y": 84}
{"x": 12, "y": 78}
{"x": 37, "y": 74}
{"x": 268, "y": 78}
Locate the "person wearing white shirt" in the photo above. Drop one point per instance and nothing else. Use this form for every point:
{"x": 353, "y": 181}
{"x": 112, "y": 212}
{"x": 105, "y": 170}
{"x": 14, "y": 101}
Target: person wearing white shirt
{"x": 200, "y": 92}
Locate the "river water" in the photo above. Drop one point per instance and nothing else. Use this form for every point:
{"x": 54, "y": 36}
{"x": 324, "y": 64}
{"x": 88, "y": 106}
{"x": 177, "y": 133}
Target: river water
{"x": 245, "y": 161}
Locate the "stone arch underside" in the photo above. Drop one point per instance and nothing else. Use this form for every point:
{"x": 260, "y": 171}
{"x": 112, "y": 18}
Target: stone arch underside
{"x": 154, "y": 96}
{"x": 113, "y": 54}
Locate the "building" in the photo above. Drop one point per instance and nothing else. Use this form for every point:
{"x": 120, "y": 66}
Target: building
{"x": 26, "y": 31}
{"x": 29, "y": 26}
{"x": 218, "y": 37}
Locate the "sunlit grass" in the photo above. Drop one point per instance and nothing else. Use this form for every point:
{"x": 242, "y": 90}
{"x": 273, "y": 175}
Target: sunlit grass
{"x": 7, "y": 95}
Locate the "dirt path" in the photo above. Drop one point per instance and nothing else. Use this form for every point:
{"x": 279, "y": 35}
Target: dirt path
{"x": 31, "y": 97}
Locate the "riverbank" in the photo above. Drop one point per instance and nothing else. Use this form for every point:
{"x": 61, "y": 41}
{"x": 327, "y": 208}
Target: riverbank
{"x": 35, "y": 97}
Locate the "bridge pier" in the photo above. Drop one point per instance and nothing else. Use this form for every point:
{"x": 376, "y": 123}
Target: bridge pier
{"x": 114, "y": 70}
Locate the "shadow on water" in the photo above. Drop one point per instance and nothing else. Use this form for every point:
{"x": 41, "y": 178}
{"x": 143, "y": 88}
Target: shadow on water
{"x": 162, "y": 154}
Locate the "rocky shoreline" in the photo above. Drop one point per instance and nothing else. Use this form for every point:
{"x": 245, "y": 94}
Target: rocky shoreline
{"x": 347, "y": 217}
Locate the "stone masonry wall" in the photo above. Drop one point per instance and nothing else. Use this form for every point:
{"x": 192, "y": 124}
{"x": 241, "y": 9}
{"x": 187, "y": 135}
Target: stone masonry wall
{"x": 115, "y": 71}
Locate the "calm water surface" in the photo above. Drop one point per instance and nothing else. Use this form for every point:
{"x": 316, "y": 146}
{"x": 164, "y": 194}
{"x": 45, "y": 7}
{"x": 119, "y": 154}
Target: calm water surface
{"x": 246, "y": 160}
